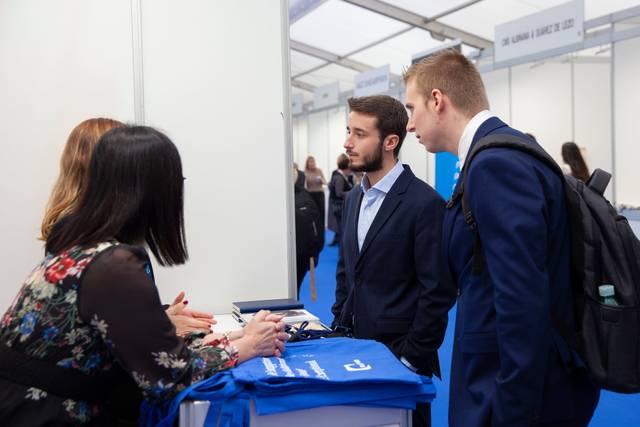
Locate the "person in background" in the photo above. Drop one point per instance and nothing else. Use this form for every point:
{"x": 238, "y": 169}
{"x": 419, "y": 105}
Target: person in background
{"x": 315, "y": 183}
{"x": 510, "y": 366}
{"x": 572, "y": 156}
{"x": 299, "y": 180}
{"x": 389, "y": 285}
{"x": 89, "y": 317}
{"x": 65, "y": 194}
{"x": 339, "y": 186}
{"x": 309, "y": 239}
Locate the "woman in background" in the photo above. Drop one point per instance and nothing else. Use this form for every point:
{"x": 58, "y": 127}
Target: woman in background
{"x": 315, "y": 182}
{"x": 89, "y": 316}
{"x": 571, "y": 156}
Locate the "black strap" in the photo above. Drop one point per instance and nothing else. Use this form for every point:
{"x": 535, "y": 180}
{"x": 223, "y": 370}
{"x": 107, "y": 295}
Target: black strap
{"x": 494, "y": 141}
{"x": 30, "y": 371}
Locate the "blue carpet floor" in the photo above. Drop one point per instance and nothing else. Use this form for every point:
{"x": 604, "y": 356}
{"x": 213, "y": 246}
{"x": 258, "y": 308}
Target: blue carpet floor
{"x": 614, "y": 410}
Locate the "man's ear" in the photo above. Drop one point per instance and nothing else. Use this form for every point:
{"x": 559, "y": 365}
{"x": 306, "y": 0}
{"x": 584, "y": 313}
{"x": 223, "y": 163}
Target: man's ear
{"x": 437, "y": 100}
{"x": 390, "y": 142}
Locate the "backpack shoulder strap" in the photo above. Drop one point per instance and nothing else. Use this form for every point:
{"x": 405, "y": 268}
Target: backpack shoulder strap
{"x": 495, "y": 141}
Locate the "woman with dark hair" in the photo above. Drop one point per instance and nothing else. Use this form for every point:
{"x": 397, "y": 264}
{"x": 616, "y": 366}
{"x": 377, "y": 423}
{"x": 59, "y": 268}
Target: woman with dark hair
{"x": 571, "y": 156}
{"x": 89, "y": 317}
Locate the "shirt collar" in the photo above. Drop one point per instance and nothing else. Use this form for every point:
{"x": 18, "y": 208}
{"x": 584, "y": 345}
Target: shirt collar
{"x": 385, "y": 184}
{"x": 469, "y": 131}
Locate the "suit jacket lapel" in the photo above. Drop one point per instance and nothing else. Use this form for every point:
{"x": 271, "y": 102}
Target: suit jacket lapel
{"x": 389, "y": 205}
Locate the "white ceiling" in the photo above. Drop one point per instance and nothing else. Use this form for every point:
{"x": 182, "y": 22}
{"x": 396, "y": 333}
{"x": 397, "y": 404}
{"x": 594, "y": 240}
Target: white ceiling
{"x": 345, "y": 30}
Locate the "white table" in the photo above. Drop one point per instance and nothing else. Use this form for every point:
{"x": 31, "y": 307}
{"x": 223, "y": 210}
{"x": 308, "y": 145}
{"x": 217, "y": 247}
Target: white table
{"x": 193, "y": 414}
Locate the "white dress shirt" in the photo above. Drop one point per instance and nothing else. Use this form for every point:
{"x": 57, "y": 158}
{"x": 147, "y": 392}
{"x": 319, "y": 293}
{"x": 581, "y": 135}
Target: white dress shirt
{"x": 469, "y": 131}
{"x": 373, "y": 198}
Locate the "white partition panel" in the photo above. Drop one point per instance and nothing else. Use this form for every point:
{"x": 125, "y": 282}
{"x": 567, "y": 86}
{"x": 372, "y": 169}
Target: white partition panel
{"x": 541, "y": 103}
{"x": 627, "y": 142}
{"x": 592, "y": 110}
{"x": 60, "y": 63}
{"x": 214, "y": 79}
{"x": 496, "y": 84}
{"x": 337, "y": 133}
{"x": 318, "y": 140}
{"x": 300, "y": 140}
{"x": 415, "y": 155}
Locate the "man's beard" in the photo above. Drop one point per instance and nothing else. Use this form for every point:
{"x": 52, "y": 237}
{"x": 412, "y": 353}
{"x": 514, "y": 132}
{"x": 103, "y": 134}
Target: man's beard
{"x": 370, "y": 163}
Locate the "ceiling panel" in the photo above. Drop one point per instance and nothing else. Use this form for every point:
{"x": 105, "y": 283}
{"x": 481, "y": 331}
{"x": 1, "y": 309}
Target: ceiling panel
{"x": 597, "y": 8}
{"x": 330, "y": 74}
{"x": 301, "y": 62}
{"x": 341, "y": 28}
{"x": 397, "y": 51}
{"x": 426, "y": 8}
{"x": 482, "y": 18}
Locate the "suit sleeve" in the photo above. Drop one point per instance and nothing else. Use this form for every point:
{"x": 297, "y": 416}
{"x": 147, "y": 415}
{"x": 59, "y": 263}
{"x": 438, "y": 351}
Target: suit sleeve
{"x": 437, "y": 291}
{"x": 507, "y": 199}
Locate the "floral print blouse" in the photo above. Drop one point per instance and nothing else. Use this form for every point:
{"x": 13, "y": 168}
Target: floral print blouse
{"x": 92, "y": 309}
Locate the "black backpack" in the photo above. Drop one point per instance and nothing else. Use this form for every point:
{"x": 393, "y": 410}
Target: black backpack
{"x": 604, "y": 250}
{"x": 309, "y": 228}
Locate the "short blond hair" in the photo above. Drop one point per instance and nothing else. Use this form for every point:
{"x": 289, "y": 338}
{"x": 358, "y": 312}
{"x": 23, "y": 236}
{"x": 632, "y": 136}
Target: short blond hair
{"x": 455, "y": 76}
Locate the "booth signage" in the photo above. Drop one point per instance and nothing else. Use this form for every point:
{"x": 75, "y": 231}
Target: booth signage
{"x": 372, "y": 82}
{"x": 549, "y": 29}
{"x": 326, "y": 96}
{"x": 297, "y": 103}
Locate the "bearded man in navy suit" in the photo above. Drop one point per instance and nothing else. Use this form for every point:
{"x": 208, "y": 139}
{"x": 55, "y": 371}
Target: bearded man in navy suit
{"x": 510, "y": 367}
{"x": 388, "y": 281}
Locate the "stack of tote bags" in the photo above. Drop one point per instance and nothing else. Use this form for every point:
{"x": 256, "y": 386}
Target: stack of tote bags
{"x": 333, "y": 371}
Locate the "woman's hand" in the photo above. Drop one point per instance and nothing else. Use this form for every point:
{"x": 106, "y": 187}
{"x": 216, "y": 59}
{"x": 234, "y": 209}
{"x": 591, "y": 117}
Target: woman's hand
{"x": 263, "y": 336}
{"x": 186, "y": 320}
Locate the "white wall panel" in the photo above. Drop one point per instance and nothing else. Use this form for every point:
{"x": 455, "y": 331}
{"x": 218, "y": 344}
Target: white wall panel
{"x": 627, "y": 142}
{"x": 414, "y": 154}
{"x": 541, "y": 103}
{"x": 300, "y": 140}
{"x": 318, "y": 139}
{"x": 60, "y": 63}
{"x": 337, "y": 133}
{"x": 496, "y": 84}
{"x": 213, "y": 74}
{"x": 592, "y": 107}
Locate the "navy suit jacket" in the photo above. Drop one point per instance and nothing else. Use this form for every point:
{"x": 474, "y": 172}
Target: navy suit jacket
{"x": 392, "y": 290}
{"x": 509, "y": 367}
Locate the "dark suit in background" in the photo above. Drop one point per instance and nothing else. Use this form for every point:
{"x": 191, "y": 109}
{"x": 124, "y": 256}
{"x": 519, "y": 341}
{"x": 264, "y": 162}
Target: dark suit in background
{"x": 510, "y": 368}
{"x": 392, "y": 290}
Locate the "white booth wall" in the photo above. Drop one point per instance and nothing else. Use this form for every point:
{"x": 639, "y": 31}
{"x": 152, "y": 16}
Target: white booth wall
{"x": 225, "y": 105}
{"x": 60, "y": 63}
{"x": 557, "y": 102}
{"x": 626, "y": 117}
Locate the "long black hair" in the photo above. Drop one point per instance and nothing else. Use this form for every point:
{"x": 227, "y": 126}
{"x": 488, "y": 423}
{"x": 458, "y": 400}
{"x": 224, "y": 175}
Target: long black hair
{"x": 571, "y": 155}
{"x": 134, "y": 193}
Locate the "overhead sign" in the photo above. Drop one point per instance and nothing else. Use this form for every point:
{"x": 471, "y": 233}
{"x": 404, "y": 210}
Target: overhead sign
{"x": 326, "y": 96}
{"x": 372, "y": 82}
{"x": 549, "y": 29}
{"x": 297, "y": 103}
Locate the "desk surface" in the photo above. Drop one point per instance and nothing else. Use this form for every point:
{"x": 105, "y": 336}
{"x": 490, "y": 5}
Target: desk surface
{"x": 226, "y": 322}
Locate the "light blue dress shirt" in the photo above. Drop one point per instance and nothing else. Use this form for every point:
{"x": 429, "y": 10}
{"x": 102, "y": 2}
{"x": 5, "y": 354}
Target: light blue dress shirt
{"x": 373, "y": 198}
